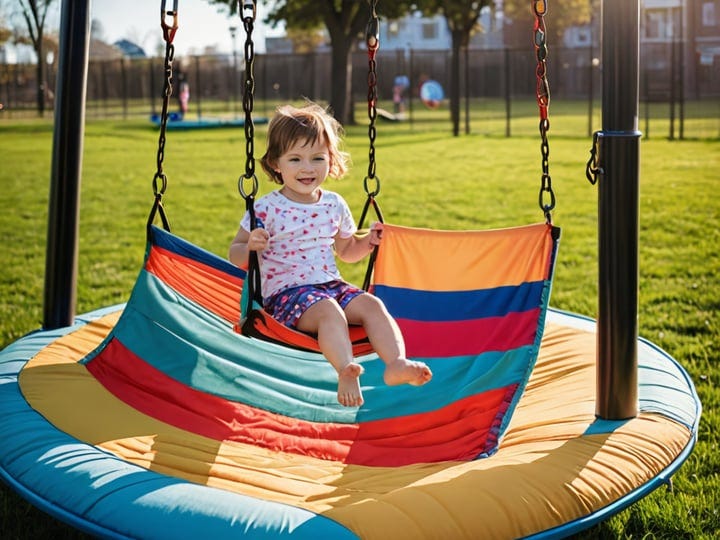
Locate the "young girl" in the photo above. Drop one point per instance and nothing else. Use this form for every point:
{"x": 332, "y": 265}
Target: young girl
{"x": 300, "y": 229}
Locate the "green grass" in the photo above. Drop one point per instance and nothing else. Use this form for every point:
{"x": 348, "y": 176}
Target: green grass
{"x": 428, "y": 178}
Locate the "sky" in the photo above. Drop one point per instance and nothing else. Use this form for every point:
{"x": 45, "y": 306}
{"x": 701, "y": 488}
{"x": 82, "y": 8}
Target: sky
{"x": 200, "y": 25}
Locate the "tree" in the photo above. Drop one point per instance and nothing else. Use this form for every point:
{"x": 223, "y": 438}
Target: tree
{"x": 345, "y": 20}
{"x": 5, "y": 31}
{"x": 462, "y": 19}
{"x": 34, "y": 13}
{"x": 97, "y": 30}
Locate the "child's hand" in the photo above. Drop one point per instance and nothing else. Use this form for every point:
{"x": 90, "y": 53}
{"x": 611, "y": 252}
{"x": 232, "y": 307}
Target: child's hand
{"x": 258, "y": 240}
{"x": 375, "y": 234}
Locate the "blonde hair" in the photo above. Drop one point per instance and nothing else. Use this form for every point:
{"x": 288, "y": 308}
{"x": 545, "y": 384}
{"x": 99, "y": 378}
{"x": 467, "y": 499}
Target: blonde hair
{"x": 310, "y": 124}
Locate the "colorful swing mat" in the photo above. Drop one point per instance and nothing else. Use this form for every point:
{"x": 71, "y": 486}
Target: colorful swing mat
{"x": 155, "y": 419}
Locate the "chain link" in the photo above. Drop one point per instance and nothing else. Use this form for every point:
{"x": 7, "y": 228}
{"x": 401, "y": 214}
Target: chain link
{"x": 372, "y": 36}
{"x": 546, "y": 197}
{"x": 159, "y": 181}
{"x": 248, "y": 15}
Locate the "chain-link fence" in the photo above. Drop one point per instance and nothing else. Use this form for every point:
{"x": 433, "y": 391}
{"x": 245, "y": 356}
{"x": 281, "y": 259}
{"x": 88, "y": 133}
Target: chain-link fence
{"x": 677, "y": 99}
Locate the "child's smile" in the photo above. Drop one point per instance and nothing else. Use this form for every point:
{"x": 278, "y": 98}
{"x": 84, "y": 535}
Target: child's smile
{"x": 303, "y": 168}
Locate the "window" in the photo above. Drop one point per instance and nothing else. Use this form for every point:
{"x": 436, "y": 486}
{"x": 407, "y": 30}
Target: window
{"x": 658, "y": 25}
{"x": 429, "y": 30}
{"x": 708, "y": 14}
{"x": 582, "y": 37}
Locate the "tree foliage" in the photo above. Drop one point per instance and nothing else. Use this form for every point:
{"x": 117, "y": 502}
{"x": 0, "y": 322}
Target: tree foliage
{"x": 5, "y": 30}
{"x": 560, "y": 16}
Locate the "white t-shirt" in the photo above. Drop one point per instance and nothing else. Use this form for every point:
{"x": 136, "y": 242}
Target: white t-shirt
{"x": 302, "y": 237}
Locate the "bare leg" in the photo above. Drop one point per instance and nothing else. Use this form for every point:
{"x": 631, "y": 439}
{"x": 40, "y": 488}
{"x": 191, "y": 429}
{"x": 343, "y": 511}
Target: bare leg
{"x": 327, "y": 319}
{"x": 387, "y": 340}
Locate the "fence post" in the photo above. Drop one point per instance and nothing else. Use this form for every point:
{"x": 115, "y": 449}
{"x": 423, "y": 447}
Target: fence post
{"x": 197, "y": 92}
{"x": 508, "y": 93}
{"x": 124, "y": 86}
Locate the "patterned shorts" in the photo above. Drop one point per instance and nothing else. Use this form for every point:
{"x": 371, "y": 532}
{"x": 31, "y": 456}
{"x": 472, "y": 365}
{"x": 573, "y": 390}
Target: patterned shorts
{"x": 288, "y": 306}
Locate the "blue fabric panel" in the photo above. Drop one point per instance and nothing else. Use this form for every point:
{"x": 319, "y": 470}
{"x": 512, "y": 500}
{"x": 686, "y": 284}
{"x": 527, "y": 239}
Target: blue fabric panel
{"x": 460, "y": 305}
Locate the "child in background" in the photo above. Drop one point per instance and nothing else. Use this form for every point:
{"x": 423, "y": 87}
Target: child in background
{"x": 301, "y": 227}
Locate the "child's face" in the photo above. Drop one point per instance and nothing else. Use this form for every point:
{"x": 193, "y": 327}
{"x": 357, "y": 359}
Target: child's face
{"x": 304, "y": 167}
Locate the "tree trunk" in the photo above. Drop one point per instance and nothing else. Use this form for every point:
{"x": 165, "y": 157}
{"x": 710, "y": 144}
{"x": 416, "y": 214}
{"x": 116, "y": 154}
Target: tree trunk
{"x": 457, "y": 41}
{"x": 341, "y": 87}
{"x": 40, "y": 75}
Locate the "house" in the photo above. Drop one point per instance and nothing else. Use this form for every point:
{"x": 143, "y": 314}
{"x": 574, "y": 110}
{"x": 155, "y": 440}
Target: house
{"x": 130, "y": 49}
{"x": 420, "y": 32}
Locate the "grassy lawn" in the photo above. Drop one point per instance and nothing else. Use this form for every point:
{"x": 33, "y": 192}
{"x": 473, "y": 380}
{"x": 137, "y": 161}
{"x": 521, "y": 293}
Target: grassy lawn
{"x": 428, "y": 178}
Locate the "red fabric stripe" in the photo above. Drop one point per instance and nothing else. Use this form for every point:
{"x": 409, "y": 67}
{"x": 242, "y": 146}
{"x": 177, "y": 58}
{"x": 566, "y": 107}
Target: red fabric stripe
{"x": 457, "y": 432}
{"x": 441, "y": 339}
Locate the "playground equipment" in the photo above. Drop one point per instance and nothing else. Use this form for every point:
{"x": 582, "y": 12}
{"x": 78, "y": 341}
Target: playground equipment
{"x": 157, "y": 419}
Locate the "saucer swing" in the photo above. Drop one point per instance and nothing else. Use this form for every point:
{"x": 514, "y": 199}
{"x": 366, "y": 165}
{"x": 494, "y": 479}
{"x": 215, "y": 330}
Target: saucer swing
{"x": 163, "y": 418}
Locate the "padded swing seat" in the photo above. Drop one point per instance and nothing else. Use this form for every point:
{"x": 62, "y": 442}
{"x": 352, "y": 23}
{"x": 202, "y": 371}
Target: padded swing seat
{"x": 259, "y": 324}
{"x": 476, "y": 319}
{"x": 471, "y": 304}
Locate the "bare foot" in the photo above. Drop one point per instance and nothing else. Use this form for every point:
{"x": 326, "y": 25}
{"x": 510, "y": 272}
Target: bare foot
{"x": 349, "y": 393}
{"x": 404, "y": 371}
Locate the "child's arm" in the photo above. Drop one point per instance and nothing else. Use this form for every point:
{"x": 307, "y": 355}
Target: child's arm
{"x": 245, "y": 242}
{"x": 357, "y": 247}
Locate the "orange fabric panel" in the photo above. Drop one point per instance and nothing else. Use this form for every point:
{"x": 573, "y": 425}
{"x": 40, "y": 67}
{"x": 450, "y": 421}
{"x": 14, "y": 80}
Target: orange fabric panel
{"x": 212, "y": 289}
{"x": 264, "y": 326}
{"x": 440, "y": 259}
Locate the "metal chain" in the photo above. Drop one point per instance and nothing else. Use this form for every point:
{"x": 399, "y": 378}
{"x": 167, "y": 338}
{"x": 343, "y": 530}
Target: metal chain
{"x": 253, "y": 281}
{"x": 372, "y": 36}
{"x": 372, "y": 39}
{"x": 546, "y": 198}
{"x": 248, "y": 15}
{"x": 159, "y": 182}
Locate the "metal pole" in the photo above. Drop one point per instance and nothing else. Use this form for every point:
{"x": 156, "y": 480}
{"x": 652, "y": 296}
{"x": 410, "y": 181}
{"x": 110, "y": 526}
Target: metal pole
{"x": 467, "y": 89}
{"x": 591, "y": 85}
{"x": 618, "y": 203}
{"x": 63, "y": 212}
{"x": 508, "y": 95}
{"x": 233, "y": 33}
{"x": 198, "y": 87}
{"x": 681, "y": 69}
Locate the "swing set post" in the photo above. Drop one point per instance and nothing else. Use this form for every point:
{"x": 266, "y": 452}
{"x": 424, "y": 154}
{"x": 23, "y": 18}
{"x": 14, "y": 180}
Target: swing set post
{"x": 64, "y": 205}
{"x": 618, "y": 213}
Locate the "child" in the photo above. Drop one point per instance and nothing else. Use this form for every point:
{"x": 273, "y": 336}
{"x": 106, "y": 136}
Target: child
{"x": 300, "y": 229}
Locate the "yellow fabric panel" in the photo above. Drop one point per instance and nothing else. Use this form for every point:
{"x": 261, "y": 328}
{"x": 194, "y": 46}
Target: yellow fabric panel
{"x": 546, "y": 470}
{"x": 441, "y": 258}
